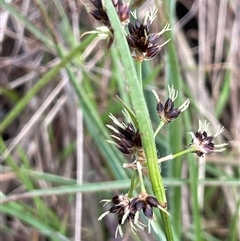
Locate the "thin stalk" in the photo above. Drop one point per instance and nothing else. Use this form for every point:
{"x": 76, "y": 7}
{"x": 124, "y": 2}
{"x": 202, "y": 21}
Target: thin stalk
{"x": 173, "y": 156}
{"x": 139, "y": 169}
{"x": 161, "y": 124}
{"x": 141, "y": 112}
{"x": 132, "y": 185}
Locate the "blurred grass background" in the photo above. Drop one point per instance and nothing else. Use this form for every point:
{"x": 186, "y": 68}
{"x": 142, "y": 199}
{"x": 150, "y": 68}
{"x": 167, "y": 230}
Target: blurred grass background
{"x": 56, "y": 93}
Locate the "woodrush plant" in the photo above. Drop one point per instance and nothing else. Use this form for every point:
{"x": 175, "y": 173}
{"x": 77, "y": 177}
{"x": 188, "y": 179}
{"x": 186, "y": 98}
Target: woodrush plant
{"x": 137, "y": 137}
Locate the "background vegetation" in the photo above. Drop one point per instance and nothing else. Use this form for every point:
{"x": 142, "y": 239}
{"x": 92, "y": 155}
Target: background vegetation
{"x": 57, "y": 91}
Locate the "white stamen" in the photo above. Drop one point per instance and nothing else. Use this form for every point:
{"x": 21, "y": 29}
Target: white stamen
{"x": 173, "y": 94}
{"x": 184, "y": 106}
{"x": 203, "y": 127}
{"x": 150, "y": 15}
{"x": 219, "y": 150}
{"x": 119, "y": 229}
{"x": 136, "y": 217}
{"x": 103, "y": 215}
{"x": 156, "y": 95}
{"x": 160, "y": 46}
{"x": 164, "y": 210}
{"x": 112, "y": 128}
{"x": 165, "y": 29}
{"x": 117, "y": 122}
{"x": 140, "y": 225}
{"x": 125, "y": 216}
{"x": 112, "y": 142}
{"x": 115, "y": 137}
{"x": 219, "y": 131}
{"x": 106, "y": 201}
{"x": 221, "y": 145}
{"x": 133, "y": 228}
{"x": 134, "y": 13}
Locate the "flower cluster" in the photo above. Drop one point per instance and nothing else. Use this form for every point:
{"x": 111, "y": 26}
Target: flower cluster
{"x": 100, "y": 14}
{"x": 127, "y": 139}
{"x": 166, "y": 112}
{"x": 143, "y": 44}
{"x": 203, "y": 142}
{"x": 128, "y": 209}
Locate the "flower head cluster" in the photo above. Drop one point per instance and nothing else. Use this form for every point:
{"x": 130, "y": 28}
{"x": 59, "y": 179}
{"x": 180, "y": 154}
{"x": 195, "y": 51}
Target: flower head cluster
{"x": 203, "y": 142}
{"x": 126, "y": 138}
{"x": 100, "y": 14}
{"x": 128, "y": 209}
{"x": 144, "y": 45}
{"x": 166, "y": 112}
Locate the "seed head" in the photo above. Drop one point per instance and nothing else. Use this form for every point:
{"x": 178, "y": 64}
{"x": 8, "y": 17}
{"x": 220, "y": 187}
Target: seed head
{"x": 166, "y": 112}
{"x": 126, "y": 137}
{"x": 128, "y": 209}
{"x": 123, "y": 11}
{"x": 203, "y": 142}
{"x": 121, "y": 207}
{"x": 144, "y": 45}
{"x": 100, "y": 14}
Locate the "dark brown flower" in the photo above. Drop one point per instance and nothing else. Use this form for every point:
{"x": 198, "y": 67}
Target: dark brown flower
{"x": 100, "y": 14}
{"x": 123, "y": 11}
{"x": 203, "y": 142}
{"x": 126, "y": 137}
{"x": 144, "y": 45}
{"x": 128, "y": 209}
{"x": 166, "y": 112}
{"x": 122, "y": 207}
{"x": 146, "y": 203}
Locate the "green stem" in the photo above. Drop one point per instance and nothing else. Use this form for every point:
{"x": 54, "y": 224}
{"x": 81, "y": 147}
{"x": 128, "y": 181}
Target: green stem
{"x": 161, "y": 124}
{"x": 141, "y": 112}
{"x": 172, "y": 156}
{"x": 132, "y": 185}
{"x": 139, "y": 169}
{"x": 138, "y": 65}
